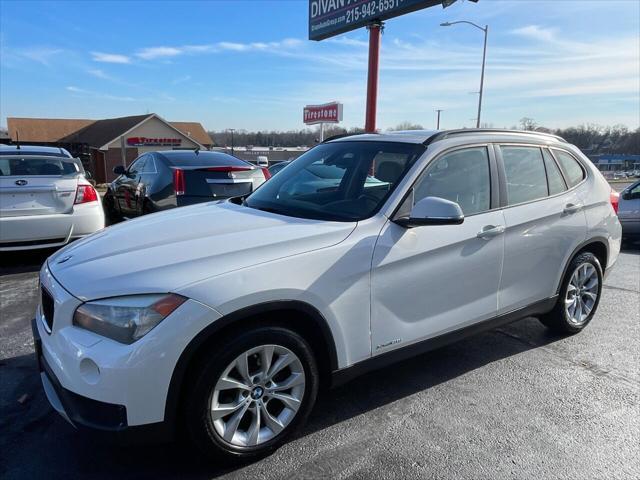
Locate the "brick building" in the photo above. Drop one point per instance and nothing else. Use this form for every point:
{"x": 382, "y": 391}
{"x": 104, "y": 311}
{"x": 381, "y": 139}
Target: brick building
{"x": 103, "y": 144}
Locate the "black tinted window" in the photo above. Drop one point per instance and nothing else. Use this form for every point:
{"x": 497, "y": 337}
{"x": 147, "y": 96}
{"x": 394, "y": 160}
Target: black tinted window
{"x": 342, "y": 181}
{"x": 525, "y": 174}
{"x": 37, "y": 166}
{"x": 556, "y": 182}
{"x": 571, "y": 167}
{"x": 462, "y": 177}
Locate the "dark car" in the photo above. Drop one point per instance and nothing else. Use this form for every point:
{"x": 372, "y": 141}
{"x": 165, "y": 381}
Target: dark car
{"x": 175, "y": 178}
{"x": 276, "y": 167}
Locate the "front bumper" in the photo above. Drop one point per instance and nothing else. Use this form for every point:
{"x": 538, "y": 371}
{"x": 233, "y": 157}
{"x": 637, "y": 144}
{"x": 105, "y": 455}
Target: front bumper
{"x": 97, "y": 383}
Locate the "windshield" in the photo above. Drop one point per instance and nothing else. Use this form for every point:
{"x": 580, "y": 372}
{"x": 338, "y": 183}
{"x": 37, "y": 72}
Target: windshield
{"x": 28, "y": 166}
{"x": 341, "y": 181}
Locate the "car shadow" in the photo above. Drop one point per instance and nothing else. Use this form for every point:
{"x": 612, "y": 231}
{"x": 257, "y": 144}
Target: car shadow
{"x": 63, "y": 452}
{"x": 24, "y": 261}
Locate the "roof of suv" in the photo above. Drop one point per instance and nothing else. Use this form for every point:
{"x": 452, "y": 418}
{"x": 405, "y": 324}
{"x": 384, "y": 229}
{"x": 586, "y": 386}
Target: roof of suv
{"x": 34, "y": 150}
{"x": 429, "y": 136}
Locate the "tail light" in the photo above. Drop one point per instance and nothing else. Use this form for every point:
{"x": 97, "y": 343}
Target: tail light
{"x": 178, "y": 181}
{"x": 614, "y": 199}
{"x": 85, "y": 194}
{"x": 266, "y": 172}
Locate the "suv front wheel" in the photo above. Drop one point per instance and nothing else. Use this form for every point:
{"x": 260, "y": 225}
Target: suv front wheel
{"x": 252, "y": 393}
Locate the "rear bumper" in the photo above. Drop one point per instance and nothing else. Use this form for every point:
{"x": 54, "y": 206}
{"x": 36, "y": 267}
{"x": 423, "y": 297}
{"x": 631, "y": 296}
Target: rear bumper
{"x": 630, "y": 228}
{"x": 107, "y": 419}
{"x": 42, "y": 231}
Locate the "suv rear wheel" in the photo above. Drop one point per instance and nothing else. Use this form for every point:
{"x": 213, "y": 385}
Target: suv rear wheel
{"x": 252, "y": 393}
{"x": 579, "y": 295}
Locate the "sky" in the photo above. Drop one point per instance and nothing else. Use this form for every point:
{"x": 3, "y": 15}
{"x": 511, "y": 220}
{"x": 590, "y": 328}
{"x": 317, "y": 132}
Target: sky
{"x": 249, "y": 64}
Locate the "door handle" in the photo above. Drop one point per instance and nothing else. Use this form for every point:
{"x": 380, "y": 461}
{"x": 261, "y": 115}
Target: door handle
{"x": 572, "y": 208}
{"x": 489, "y": 231}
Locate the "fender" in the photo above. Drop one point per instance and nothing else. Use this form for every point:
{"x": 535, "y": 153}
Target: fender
{"x": 180, "y": 370}
{"x": 601, "y": 240}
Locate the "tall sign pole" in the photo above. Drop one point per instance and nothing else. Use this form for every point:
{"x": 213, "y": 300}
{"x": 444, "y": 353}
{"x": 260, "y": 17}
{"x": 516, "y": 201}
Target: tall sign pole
{"x": 375, "y": 32}
{"x": 328, "y": 18}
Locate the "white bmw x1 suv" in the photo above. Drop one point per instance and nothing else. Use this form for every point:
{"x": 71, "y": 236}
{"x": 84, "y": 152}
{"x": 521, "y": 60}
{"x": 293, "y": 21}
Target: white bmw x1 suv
{"x": 225, "y": 318}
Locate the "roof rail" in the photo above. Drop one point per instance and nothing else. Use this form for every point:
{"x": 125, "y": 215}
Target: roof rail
{"x": 471, "y": 131}
{"x": 343, "y": 135}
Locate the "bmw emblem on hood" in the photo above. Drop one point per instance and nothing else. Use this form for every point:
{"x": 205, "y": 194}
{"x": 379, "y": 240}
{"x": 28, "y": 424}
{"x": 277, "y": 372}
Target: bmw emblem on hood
{"x": 21, "y": 183}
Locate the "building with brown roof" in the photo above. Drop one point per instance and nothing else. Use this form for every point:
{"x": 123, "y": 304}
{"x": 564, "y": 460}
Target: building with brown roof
{"x": 103, "y": 144}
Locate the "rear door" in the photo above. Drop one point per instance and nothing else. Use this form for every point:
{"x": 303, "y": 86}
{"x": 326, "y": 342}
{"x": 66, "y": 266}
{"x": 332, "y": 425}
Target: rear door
{"x": 33, "y": 185}
{"x": 544, "y": 224}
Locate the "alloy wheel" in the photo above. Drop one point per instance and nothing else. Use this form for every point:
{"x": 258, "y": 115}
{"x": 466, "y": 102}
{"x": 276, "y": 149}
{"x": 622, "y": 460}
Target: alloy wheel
{"x": 257, "y": 395}
{"x": 582, "y": 293}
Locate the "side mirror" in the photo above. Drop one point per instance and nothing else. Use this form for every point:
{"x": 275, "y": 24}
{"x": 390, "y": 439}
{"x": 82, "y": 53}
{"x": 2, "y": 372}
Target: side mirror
{"x": 433, "y": 211}
{"x": 119, "y": 170}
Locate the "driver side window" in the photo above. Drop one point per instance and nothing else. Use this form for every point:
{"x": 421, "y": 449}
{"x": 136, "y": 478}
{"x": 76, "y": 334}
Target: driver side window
{"x": 461, "y": 176}
{"x": 137, "y": 166}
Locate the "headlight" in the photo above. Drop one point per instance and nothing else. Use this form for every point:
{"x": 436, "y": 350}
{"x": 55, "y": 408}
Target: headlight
{"x": 126, "y": 319}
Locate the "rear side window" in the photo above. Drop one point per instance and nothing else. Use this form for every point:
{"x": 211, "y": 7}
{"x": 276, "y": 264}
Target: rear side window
{"x": 29, "y": 166}
{"x": 556, "y": 182}
{"x": 461, "y": 176}
{"x": 572, "y": 169}
{"x": 525, "y": 174}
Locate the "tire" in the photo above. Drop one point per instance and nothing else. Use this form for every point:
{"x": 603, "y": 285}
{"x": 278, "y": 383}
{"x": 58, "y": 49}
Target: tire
{"x": 111, "y": 216}
{"x": 572, "y": 316}
{"x": 206, "y": 403}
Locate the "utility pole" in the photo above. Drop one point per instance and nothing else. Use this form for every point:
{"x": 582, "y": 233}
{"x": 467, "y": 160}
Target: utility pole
{"x": 231, "y": 130}
{"x": 439, "y": 110}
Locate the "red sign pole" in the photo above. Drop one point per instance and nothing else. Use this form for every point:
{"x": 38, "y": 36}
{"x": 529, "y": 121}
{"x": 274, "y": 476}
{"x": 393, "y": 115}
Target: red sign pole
{"x": 375, "y": 30}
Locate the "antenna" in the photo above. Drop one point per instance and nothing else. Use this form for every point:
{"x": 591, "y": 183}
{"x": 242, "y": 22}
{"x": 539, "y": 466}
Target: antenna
{"x": 17, "y": 140}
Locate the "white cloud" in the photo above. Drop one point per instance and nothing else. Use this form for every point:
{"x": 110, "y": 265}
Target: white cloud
{"x": 96, "y": 72}
{"x": 110, "y": 57}
{"x": 158, "y": 52}
{"x": 89, "y": 93}
{"x": 42, "y": 55}
{"x": 535, "y": 32}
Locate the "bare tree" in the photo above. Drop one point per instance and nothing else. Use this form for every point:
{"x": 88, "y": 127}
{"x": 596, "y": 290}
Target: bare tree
{"x": 527, "y": 123}
{"x": 407, "y": 126}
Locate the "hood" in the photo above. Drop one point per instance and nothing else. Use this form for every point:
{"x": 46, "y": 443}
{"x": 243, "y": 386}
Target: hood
{"x": 164, "y": 251}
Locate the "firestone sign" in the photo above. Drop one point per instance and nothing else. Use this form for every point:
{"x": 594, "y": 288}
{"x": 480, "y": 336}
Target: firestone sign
{"x": 326, "y": 113}
{"x": 332, "y": 17}
{"x": 147, "y": 142}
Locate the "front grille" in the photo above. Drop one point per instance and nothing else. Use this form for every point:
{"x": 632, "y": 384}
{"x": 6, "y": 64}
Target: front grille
{"x": 47, "y": 307}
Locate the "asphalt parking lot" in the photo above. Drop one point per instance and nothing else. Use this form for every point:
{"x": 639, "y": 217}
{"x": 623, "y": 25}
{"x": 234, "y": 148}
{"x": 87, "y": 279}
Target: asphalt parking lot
{"x": 517, "y": 402}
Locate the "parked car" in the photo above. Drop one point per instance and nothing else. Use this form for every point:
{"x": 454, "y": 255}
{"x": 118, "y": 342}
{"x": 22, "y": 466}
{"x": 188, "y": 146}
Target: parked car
{"x": 226, "y": 318}
{"x": 629, "y": 211}
{"x": 276, "y": 167}
{"x": 158, "y": 181}
{"x": 45, "y": 198}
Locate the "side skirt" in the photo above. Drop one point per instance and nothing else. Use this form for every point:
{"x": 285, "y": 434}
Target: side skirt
{"x": 339, "y": 377}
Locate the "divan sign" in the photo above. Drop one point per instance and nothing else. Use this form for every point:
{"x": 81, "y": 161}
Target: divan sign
{"x": 145, "y": 141}
{"x": 332, "y": 17}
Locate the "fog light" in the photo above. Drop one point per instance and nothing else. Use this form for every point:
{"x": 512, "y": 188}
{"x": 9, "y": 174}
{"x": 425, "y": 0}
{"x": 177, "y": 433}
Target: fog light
{"x": 89, "y": 371}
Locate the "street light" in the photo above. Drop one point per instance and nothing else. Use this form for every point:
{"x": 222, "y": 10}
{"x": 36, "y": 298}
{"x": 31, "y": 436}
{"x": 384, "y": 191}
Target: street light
{"x": 484, "y": 59}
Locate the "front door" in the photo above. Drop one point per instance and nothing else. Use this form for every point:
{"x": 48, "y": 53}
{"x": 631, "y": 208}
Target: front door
{"x": 427, "y": 281}
{"x": 128, "y": 187}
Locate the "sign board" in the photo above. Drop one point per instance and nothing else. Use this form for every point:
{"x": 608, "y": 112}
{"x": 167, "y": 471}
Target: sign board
{"x": 147, "y": 142}
{"x": 326, "y": 113}
{"x": 328, "y": 18}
